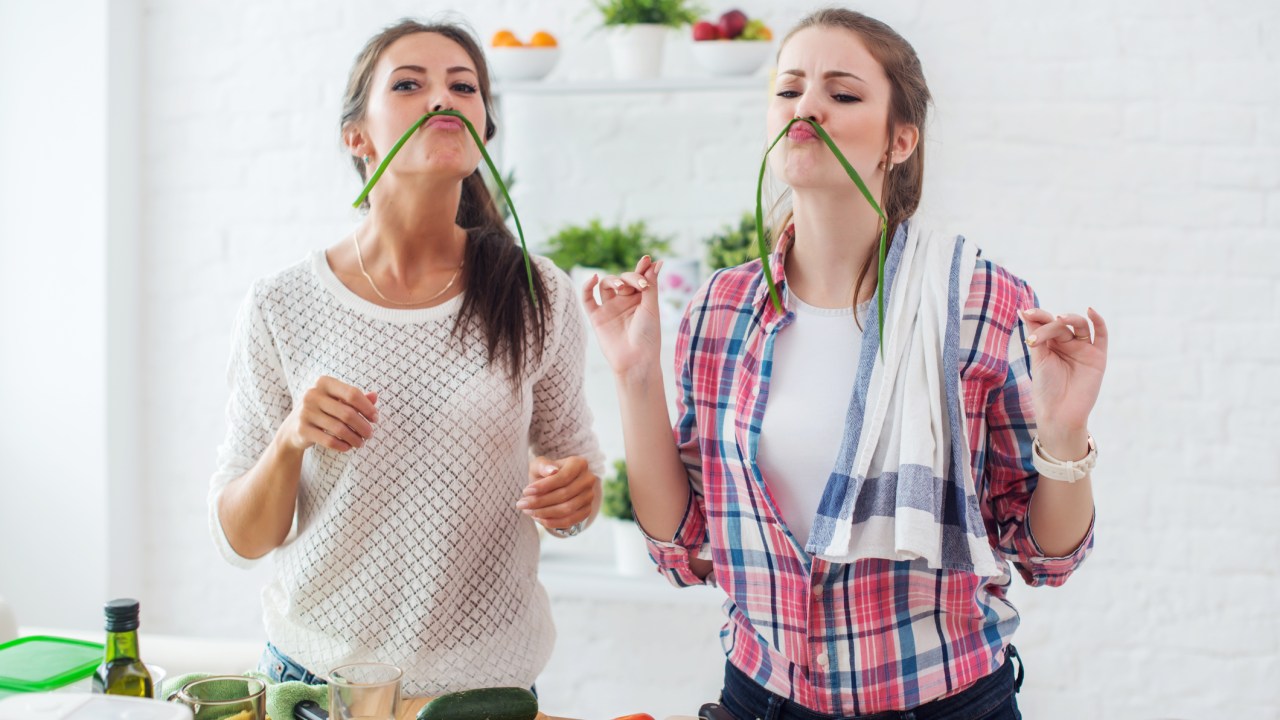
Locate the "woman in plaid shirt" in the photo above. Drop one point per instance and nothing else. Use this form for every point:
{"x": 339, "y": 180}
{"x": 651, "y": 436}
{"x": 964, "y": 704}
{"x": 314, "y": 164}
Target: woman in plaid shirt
{"x": 742, "y": 496}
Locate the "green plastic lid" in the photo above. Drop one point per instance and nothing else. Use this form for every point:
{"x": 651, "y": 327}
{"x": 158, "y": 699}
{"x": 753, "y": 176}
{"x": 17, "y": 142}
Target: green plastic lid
{"x": 39, "y": 662}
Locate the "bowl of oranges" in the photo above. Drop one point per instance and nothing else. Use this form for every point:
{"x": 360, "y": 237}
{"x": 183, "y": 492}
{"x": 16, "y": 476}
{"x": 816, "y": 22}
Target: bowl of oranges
{"x": 513, "y": 59}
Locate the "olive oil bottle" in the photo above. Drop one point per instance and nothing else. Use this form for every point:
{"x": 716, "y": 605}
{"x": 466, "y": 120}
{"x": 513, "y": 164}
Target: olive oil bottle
{"x": 122, "y": 671}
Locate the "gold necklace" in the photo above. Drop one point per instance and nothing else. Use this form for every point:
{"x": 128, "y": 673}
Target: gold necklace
{"x": 360, "y": 260}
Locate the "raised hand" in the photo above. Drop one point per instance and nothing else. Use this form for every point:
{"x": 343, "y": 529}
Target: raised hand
{"x": 626, "y": 318}
{"x": 1067, "y": 364}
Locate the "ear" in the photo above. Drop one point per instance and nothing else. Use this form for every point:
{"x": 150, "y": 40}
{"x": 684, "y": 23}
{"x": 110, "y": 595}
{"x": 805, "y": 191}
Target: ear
{"x": 903, "y": 143}
{"x": 356, "y": 141}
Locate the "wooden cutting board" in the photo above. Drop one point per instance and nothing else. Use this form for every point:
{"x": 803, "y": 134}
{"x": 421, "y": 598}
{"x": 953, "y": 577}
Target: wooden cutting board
{"x": 409, "y": 708}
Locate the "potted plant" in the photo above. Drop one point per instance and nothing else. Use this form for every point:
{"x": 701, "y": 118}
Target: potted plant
{"x": 733, "y": 246}
{"x": 637, "y": 30}
{"x": 629, "y": 549}
{"x": 581, "y": 250}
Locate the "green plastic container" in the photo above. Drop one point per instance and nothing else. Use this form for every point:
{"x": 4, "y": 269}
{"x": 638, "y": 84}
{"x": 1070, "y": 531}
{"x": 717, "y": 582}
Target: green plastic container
{"x": 40, "y": 663}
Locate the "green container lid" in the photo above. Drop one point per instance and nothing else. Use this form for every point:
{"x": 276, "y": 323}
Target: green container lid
{"x": 39, "y": 663}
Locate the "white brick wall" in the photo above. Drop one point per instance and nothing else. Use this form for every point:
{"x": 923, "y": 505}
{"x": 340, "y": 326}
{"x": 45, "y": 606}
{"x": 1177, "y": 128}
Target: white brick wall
{"x": 1119, "y": 155}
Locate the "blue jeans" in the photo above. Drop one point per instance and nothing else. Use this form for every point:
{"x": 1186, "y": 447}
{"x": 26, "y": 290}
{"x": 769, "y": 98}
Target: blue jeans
{"x": 282, "y": 668}
{"x": 991, "y": 698}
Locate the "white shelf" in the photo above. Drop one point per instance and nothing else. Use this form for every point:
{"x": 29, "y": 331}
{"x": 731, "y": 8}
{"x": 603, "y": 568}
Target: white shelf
{"x": 620, "y": 87}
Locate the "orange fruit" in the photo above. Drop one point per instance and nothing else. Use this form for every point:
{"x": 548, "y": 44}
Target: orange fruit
{"x": 505, "y": 38}
{"x": 764, "y": 34}
{"x": 542, "y": 39}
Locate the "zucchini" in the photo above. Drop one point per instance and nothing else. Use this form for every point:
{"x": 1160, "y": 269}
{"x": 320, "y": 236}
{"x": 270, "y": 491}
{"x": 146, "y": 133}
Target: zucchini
{"x": 507, "y": 703}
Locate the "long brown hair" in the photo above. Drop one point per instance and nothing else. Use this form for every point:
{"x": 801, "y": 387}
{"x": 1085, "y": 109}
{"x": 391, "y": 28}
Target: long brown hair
{"x": 497, "y": 296}
{"x": 909, "y": 100}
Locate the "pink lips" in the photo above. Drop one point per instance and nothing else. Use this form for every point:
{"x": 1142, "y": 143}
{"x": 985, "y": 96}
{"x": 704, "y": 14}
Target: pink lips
{"x": 802, "y": 131}
{"x": 445, "y": 122}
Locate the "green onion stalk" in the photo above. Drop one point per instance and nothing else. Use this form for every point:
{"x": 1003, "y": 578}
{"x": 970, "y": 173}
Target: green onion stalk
{"x": 857, "y": 180}
{"x": 382, "y": 167}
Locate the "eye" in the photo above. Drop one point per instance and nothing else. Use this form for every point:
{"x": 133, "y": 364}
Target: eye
{"x": 466, "y": 88}
{"x": 788, "y": 94}
{"x": 846, "y": 98}
{"x": 405, "y": 84}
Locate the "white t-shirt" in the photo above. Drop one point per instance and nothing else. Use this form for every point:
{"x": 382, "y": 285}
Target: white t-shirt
{"x": 815, "y": 363}
{"x": 409, "y": 550}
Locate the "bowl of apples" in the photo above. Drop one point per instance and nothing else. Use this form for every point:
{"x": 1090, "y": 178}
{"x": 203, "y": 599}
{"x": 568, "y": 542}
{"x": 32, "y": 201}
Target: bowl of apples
{"x": 514, "y": 60}
{"x": 734, "y": 45}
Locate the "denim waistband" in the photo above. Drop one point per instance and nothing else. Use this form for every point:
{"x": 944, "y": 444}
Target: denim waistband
{"x": 745, "y": 698}
{"x": 282, "y": 668}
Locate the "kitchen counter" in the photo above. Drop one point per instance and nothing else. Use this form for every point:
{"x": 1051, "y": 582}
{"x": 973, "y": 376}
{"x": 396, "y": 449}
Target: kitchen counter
{"x": 179, "y": 655}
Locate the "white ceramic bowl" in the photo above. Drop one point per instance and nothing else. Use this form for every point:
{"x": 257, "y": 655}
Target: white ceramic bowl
{"x": 731, "y": 57}
{"x": 522, "y": 63}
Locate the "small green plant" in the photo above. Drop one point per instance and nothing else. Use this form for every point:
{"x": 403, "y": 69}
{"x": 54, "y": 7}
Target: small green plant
{"x": 733, "y": 246}
{"x": 617, "y": 493}
{"x": 614, "y": 249}
{"x": 673, "y": 13}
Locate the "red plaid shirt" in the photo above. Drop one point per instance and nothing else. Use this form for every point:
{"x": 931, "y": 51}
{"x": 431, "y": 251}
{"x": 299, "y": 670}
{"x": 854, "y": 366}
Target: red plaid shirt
{"x": 874, "y": 635}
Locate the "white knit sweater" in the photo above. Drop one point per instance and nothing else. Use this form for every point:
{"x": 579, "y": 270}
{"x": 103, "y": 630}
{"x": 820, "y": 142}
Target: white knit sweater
{"x": 409, "y": 550}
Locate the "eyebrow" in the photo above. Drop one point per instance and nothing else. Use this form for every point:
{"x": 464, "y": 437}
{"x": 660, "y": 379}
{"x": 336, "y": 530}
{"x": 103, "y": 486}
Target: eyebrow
{"x": 423, "y": 71}
{"x": 827, "y": 75}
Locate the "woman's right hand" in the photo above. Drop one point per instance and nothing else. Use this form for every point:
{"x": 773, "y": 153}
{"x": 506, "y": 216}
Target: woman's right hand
{"x": 332, "y": 414}
{"x": 626, "y": 318}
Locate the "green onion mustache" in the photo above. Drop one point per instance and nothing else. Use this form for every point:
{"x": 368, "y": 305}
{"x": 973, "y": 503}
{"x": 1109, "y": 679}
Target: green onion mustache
{"x": 497, "y": 176}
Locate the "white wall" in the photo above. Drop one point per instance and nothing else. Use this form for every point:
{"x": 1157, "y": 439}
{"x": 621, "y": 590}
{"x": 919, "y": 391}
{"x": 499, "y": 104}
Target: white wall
{"x": 54, "y": 548}
{"x": 1125, "y": 156}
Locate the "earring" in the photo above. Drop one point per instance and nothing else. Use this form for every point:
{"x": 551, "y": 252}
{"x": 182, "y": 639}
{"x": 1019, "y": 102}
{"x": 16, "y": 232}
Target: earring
{"x": 368, "y": 159}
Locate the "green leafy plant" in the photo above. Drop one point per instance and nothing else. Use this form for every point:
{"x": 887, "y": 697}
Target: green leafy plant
{"x": 733, "y": 245}
{"x": 614, "y": 248}
{"x": 763, "y": 246}
{"x": 673, "y": 13}
{"x": 493, "y": 172}
{"x": 617, "y": 493}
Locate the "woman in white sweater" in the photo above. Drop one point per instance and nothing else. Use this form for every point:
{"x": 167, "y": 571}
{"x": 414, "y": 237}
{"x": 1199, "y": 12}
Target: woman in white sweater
{"x": 387, "y": 395}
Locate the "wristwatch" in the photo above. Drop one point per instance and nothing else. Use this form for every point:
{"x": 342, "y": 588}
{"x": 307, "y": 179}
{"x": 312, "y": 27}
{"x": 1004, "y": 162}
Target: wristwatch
{"x": 570, "y": 531}
{"x": 1065, "y": 470}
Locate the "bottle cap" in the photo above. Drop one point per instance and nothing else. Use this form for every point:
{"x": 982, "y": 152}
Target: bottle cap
{"x": 122, "y": 615}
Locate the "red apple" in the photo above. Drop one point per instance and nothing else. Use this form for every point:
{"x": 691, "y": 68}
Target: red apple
{"x": 732, "y": 23}
{"x": 703, "y": 30}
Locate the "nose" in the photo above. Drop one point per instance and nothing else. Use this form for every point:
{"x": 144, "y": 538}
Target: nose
{"x": 808, "y": 106}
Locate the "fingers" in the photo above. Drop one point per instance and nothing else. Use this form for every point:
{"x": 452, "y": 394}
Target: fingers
{"x": 1044, "y": 327}
{"x": 564, "y": 473}
{"x": 541, "y": 467}
{"x": 1100, "y": 334}
{"x": 347, "y": 415}
{"x": 336, "y": 415}
{"x": 562, "y": 516}
{"x": 1079, "y": 326}
{"x": 352, "y": 396}
{"x": 330, "y": 428}
{"x": 635, "y": 280}
{"x": 570, "y": 484}
{"x": 589, "y": 294}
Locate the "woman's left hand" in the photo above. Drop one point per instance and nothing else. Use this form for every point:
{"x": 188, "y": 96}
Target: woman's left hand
{"x": 560, "y": 493}
{"x": 1067, "y": 364}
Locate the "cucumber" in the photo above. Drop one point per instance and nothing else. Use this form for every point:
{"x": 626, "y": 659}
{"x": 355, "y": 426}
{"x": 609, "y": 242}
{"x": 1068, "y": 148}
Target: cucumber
{"x": 487, "y": 704}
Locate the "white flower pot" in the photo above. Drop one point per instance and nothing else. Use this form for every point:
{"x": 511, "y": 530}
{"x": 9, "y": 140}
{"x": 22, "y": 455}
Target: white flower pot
{"x": 630, "y": 551}
{"x": 636, "y": 50}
